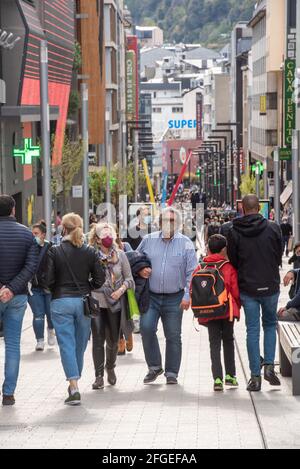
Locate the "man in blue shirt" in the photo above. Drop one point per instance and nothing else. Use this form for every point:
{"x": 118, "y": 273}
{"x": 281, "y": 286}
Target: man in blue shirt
{"x": 173, "y": 260}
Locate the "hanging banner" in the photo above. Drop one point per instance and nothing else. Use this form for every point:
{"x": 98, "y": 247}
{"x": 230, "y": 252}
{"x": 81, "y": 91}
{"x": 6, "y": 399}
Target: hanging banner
{"x": 130, "y": 86}
{"x": 179, "y": 180}
{"x": 290, "y": 106}
{"x": 149, "y": 185}
{"x": 199, "y": 113}
{"x": 165, "y": 189}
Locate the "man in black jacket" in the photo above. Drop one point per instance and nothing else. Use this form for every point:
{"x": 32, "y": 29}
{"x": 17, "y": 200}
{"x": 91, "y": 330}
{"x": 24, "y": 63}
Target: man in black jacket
{"x": 255, "y": 249}
{"x": 19, "y": 258}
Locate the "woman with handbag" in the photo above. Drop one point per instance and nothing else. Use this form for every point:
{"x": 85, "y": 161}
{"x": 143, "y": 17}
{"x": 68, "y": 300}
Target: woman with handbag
{"x": 113, "y": 303}
{"x": 73, "y": 271}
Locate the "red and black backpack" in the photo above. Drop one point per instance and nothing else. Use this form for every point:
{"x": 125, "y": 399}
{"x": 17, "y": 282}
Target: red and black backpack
{"x": 209, "y": 296}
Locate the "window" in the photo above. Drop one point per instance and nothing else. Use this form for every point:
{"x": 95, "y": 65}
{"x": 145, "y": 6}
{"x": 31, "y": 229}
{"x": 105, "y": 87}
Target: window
{"x": 177, "y": 110}
{"x": 147, "y": 34}
{"x": 157, "y": 110}
{"x": 272, "y": 101}
{"x": 272, "y": 138}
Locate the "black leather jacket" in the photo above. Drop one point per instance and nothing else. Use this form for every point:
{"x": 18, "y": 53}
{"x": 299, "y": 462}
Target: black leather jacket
{"x": 85, "y": 265}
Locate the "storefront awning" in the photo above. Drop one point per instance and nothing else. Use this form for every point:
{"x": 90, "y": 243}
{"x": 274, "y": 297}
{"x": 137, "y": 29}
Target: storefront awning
{"x": 287, "y": 193}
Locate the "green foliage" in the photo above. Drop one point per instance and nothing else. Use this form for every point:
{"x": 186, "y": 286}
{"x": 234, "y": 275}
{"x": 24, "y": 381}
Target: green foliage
{"x": 74, "y": 103}
{"x": 63, "y": 174}
{"x": 121, "y": 182}
{"x": 77, "y": 56}
{"x": 248, "y": 185}
{"x": 204, "y": 21}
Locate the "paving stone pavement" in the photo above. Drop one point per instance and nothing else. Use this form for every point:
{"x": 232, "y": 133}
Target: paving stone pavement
{"x": 133, "y": 416}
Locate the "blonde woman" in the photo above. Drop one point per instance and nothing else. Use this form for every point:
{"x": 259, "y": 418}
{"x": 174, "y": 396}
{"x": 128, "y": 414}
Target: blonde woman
{"x": 73, "y": 270}
{"x": 113, "y": 303}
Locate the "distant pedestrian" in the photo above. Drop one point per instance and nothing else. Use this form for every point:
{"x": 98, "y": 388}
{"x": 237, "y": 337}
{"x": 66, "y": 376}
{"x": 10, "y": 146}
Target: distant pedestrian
{"x": 142, "y": 227}
{"x": 58, "y": 219}
{"x": 70, "y": 266}
{"x": 18, "y": 263}
{"x": 214, "y": 227}
{"x": 255, "y": 250}
{"x": 113, "y": 303}
{"x": 39, "y": 297}
{"x": 227, "y": 226}
{"x": 173, "y": 260}
{"x": 287, "y": 233}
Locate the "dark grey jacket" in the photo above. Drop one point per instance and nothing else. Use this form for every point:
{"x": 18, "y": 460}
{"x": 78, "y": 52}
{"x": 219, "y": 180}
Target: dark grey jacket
{"x": 18, "y": 255}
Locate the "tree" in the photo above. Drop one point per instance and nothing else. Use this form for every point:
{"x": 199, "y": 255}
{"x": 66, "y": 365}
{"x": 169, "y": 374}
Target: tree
{"x": 63, "y": 174}
{"x": 121, "y": 183}
{"x": 248, "y": 185}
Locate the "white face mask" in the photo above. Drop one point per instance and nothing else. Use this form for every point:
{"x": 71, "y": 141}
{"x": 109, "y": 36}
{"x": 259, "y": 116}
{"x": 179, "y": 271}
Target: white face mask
{"x": 39, "y": 240}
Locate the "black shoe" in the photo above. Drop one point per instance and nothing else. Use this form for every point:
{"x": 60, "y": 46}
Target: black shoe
{"x": 111, "y": 377}
{"x": 254, "y": 384}
{"x": 99, "y": 383}
{"x": 73, "y": 399}
{"x": 271, "y": 376}
{"x": 171, "y": 380}
{"x": 8, "y": 400}
{"x": 152, "y": 376}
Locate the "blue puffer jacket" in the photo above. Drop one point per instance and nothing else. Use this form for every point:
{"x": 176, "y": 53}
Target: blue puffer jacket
{"x": 18, "y": 255}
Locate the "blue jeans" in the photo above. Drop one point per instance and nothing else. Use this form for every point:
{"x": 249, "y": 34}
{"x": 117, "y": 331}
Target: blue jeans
{"x": 166, "y": 307}
{"x": 72, "y": 331}
{"x": 40, "y": 304}
{"x": 11, "y": 315}
{"x": 252, "y": 306}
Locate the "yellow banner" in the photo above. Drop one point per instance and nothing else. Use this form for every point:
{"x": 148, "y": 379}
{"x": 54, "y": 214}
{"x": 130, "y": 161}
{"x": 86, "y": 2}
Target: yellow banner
{"x": 149, "y": 185}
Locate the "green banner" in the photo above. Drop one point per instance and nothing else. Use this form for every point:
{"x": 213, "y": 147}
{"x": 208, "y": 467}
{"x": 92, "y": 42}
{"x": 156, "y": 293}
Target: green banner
{"x": 130, "y": 85}
{"x": 290, "y": 106}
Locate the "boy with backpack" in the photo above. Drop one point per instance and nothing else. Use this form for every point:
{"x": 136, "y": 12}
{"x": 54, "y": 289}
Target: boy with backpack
{"x": 216, "y": 304}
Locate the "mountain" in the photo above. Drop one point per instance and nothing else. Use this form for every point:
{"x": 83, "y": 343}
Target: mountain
{"x": 208, "y": 22}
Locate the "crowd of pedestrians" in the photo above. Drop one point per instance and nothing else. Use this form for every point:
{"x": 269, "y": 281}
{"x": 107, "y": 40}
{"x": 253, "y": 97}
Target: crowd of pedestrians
{"x": 81, "y": 284}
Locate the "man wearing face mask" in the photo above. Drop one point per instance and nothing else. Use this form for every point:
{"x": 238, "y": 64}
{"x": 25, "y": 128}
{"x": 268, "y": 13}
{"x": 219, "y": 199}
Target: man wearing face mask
{"x": 39, "y": 297}
{"x": 141, "y": 229}
{"x": 173, "y": 259}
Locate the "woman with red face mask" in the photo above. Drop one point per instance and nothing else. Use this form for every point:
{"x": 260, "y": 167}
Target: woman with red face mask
{"x": 113, "y": 303}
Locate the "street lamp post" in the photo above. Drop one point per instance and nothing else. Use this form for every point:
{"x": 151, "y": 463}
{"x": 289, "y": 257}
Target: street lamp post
{"x": 257, "y": 179}
{"x": 85, "y": 140}
{"x": 108, "y": 160}
{"x": 45, "y": 130}
{"x": 277, "y": 185}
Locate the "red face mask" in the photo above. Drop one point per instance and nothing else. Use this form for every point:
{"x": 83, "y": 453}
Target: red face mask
{"x": 107, "y": 242}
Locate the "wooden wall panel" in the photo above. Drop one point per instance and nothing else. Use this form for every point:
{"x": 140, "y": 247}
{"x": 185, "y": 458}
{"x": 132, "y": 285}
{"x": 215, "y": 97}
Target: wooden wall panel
{"x": 93, "y": 64}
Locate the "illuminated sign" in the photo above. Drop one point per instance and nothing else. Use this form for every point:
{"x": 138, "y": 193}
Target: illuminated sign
{"x": 182, "y": 124}
{"x": 28, "y": 152}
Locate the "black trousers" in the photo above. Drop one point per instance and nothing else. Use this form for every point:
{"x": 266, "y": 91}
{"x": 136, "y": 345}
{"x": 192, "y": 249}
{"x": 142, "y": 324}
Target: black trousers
{"x": 222, "y": 331}
{"x": 105, "y": 331}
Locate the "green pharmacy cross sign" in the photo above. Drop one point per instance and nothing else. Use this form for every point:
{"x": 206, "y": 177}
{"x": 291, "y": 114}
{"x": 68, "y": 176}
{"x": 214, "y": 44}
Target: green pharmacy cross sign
{"x": 28, "y": 152}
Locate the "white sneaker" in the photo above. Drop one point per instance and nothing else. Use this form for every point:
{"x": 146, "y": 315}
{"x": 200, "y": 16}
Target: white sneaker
{"x": 136, "y": 326}
{"x": 40, "y": 345}
{"x": 51, "y": 338}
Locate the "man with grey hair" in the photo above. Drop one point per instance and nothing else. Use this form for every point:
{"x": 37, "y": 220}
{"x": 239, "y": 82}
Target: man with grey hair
{"x": 173, "y": 260}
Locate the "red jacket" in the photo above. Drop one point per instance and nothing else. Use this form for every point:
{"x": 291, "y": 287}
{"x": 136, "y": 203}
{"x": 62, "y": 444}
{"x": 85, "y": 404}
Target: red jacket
{"x": 231, "y": 284}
